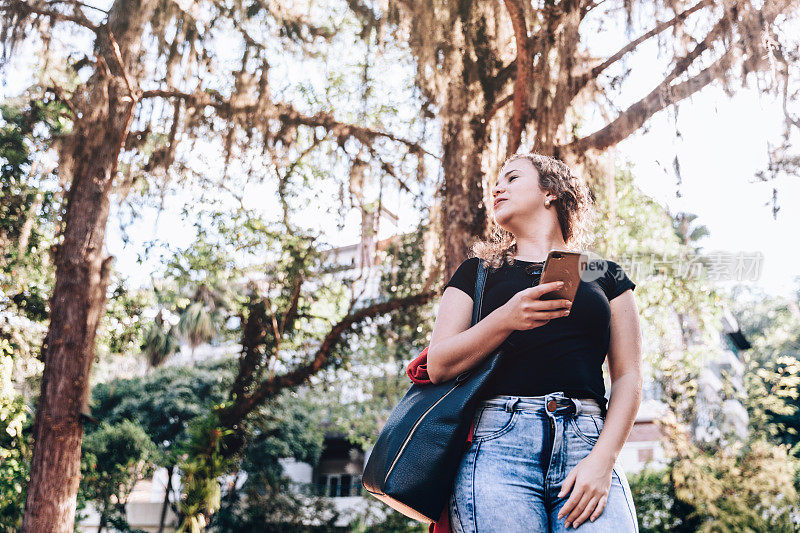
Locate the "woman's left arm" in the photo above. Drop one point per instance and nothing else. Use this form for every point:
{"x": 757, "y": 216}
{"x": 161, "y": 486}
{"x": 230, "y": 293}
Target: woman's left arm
{"x": 592, "y": 475}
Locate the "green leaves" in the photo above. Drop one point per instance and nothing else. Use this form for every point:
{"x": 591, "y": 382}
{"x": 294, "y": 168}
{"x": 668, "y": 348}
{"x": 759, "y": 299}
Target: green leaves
{"x": 203, "y": 464}
{"x": 160, "y": 341}
{"x": 14, "y": 445}
{"x": 115, "y": 457}
{"x": 197, "y": 324}
{"x": 165, "y": 401}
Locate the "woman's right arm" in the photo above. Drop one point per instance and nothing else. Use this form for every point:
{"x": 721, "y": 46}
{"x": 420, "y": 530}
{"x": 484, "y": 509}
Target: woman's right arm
{"x": 456, "y": 347}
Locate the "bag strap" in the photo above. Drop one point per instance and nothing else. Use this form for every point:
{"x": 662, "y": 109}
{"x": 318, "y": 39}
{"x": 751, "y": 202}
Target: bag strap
{"x": 480, "y": 284}
{"x": 477, "y": 307}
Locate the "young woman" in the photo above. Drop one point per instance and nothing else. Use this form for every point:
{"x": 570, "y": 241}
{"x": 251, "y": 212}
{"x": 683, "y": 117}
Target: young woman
{"x": 545, "y": 443}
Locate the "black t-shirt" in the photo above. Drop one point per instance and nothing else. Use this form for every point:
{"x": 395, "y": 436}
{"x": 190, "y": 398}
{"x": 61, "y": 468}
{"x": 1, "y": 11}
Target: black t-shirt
{"x": 567, "y": 353}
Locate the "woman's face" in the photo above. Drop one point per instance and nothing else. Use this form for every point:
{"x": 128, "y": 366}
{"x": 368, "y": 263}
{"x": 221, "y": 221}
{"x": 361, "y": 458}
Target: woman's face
{"x": 517, "y": 196}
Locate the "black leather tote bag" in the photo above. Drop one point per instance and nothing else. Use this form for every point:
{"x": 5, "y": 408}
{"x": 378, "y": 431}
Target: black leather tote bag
{"x": 413, "y": 464}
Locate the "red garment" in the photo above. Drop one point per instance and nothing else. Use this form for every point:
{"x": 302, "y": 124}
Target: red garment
{"x": 418, "y": 372}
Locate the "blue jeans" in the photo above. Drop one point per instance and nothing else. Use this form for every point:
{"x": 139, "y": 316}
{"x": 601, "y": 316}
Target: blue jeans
{"x": 523, "y": 447}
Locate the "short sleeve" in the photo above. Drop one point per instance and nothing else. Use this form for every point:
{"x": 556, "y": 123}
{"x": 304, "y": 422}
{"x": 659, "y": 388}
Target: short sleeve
{"x": 465, "y": 276}
{"x": 616, "y": 280}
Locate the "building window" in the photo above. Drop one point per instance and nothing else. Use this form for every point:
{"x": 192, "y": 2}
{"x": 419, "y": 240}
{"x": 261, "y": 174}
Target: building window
{"x": 645, "y": 454}
{"x": 336, "y": 485}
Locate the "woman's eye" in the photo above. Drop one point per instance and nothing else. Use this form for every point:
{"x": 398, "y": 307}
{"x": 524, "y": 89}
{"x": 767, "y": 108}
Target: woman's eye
{"x": 511, "y": 178}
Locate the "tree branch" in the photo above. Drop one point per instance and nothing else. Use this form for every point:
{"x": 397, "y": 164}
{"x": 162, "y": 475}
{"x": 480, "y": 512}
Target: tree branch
{"x": 497, "y": 107}
{"x": 23, "y": 9}
{"x": 590, "y": 6}
{"x": 244, "y": 405}
{"x": 286, "y": 114}
{"x": 524, "y": 62}
{"x": 283, "y": 179}
{"x": 133, "y": 94}
{"x": 659, "y": 98}
{"x": 389, "y": 169}
{"x": 586, "y": 77}
{"x": 505, "y": 73}
{"x": 663, "y": 95}
{"x": 61, "y": 96}
{"x": 254, "y": 335}
{"x": 291, "y": 313}
{"x": 80, "y": 4}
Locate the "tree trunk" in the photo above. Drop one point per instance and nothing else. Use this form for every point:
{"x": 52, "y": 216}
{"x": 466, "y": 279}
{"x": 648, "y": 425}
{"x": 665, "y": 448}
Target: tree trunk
{"x": 463, "y": 207}
{"x": 76, "y": 305}
{"x": 88, "y": 158}
{"x": 103, "y": 520}
{"x": 464, "y": 117}
{"x": 165, "y": 505}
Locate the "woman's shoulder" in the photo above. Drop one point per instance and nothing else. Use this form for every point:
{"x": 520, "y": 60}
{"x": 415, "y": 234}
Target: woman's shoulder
{"x": 465, "y": 276}
{"x": 610, "y": 275}
{"x": 609, "y": 265}
{"x": 469, "y": 267}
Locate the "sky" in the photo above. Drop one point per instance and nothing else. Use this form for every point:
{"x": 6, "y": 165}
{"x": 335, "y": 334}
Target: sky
{"x": 723, "y": 144}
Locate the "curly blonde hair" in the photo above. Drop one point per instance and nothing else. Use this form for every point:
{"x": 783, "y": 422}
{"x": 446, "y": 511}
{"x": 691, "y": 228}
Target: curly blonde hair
{"x": 574, "y": 204}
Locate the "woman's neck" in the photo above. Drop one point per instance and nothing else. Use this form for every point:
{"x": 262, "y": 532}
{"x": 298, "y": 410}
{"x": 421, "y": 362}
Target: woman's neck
{"x": 535, "y": 252}
{"x": 536, "y": 257}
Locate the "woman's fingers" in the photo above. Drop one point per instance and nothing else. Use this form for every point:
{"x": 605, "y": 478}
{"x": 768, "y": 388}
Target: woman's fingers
{"x": 554, "y": 313}
{"x": 539, "y": 312}
{"x": 550, "y": 305}
{"x": 579, "y": 506}
{"x": 599, "y": 510}
{"x": 566, "y": 486}
{"x": 543, "y": 305}
{"x": 542, "y": 288}
{"x": 575, "y": 495}
{"x": 586, "y": 512}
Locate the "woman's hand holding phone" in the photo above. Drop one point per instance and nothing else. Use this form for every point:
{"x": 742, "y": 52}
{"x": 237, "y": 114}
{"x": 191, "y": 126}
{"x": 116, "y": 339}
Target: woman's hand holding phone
{"x": 526, "y": 309}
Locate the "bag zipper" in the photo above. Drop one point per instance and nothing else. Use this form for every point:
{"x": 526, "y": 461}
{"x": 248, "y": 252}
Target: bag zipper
{"x": 413, "y": 429}
{"x": 481, "y": 275}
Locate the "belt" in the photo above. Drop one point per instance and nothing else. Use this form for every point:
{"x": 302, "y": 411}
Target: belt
{"x": 566, "y": 405}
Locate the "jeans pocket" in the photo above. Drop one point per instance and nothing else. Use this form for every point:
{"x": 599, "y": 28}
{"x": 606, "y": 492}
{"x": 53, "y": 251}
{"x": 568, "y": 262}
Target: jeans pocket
{"x": 587, "y": 427}
{"x": 493, "y": 421}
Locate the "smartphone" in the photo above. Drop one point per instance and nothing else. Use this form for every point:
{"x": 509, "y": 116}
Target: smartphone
{"x": 566, "y": 266}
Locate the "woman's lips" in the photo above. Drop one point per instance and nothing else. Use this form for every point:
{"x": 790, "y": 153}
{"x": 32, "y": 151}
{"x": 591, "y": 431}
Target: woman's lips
{"x": 498, "y": 202}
